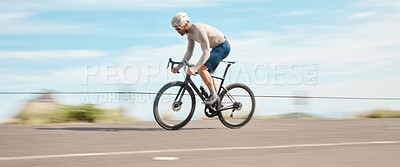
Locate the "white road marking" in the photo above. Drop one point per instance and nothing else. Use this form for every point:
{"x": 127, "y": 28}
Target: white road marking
{"x": 165, "y": 158}
{"x": 195, "y": 149}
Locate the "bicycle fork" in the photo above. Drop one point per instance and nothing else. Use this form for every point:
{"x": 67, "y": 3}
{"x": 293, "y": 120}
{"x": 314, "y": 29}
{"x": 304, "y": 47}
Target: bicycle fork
{"x": 177, "y": 104}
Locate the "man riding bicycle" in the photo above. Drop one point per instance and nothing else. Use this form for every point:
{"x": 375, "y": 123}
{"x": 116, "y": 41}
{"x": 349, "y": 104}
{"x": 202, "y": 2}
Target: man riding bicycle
{"x": 209, "y": 38}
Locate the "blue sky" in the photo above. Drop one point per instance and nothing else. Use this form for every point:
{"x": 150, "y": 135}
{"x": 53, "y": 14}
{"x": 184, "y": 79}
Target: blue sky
{"x": 354, "y": 44}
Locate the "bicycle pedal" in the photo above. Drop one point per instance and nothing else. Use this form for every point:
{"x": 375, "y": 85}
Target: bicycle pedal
{"x": 210, "y": 112}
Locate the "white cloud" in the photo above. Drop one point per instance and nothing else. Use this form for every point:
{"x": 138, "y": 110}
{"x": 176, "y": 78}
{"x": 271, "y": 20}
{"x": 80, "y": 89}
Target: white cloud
{"x": 23, "y": 78}
{"x": 353, "y": 58}
{"x": 377, "y": 4}
{"x": 369, "y": 41}
{"x": 51, "y": 54}
{"x": 362, "y": 15}
{"x": 151, "y": 54}
{"x": 372, "y": 87}
{"x": 24, "y": 23}
{"x": 40, "y": 28}
{"x": 7, "y": 17}
{"x": 298, "y": 13}
{"x": 157, "y": 54}
{"x": 50, "y": 79}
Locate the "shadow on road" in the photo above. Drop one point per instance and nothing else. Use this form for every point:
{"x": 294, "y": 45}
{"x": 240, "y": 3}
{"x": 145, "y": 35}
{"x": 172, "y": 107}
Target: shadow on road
{"x": 117, "y": 129}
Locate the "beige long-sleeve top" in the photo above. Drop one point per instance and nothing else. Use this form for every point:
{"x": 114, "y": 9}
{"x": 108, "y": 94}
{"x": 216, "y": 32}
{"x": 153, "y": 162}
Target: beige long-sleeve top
{"x": 208, "y": 37}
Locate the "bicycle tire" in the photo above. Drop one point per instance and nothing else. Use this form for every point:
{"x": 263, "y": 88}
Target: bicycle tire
{"x": 156, "y": 111}
{"x": 223, "y": 118}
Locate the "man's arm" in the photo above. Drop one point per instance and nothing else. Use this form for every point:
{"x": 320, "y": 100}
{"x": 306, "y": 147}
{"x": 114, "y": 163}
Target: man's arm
{"x": 205, "y": 47}
{"x": 189, "y": 52}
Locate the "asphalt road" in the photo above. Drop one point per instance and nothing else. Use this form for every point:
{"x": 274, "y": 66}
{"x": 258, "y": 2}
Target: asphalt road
{"x": 280, "y": 143}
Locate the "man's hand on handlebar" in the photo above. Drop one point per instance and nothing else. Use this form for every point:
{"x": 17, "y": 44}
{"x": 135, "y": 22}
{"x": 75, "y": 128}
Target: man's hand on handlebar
{"x": 175, "y": 70}
{"x": 191, "y": 71}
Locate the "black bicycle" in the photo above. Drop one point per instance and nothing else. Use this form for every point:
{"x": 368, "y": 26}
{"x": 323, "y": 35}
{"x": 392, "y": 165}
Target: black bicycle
{"x": 175, "y": 103}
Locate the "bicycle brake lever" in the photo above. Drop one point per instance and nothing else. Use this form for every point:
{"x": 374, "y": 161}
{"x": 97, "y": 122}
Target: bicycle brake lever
{"x": 170, "y": 61}
{"x": 172, "y": 65}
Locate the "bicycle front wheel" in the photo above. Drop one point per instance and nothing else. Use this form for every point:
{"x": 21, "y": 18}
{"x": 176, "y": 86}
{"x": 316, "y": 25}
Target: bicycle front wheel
{"x": 174, "y": 105}
{"x": 237, "y": 104}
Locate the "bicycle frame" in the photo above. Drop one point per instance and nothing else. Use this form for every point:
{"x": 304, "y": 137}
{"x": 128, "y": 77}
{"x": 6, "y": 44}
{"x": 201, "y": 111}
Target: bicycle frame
{"x": 189, "y": 81}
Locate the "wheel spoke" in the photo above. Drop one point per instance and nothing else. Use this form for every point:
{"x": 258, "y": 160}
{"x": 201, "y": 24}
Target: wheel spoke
{"x": 235, "y": 112}
{"x": 173, "y": 112}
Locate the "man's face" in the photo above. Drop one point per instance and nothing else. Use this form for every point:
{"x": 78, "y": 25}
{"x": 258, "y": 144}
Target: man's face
{"x": 181, "y": 30}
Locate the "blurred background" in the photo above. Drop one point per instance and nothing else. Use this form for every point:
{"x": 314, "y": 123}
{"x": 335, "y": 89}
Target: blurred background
{"x": 284, "y": 48}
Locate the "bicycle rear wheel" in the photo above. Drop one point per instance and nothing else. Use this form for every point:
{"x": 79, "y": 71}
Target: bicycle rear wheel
{"x": 174, "y": 105}
{"x": 237, "y": 104}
